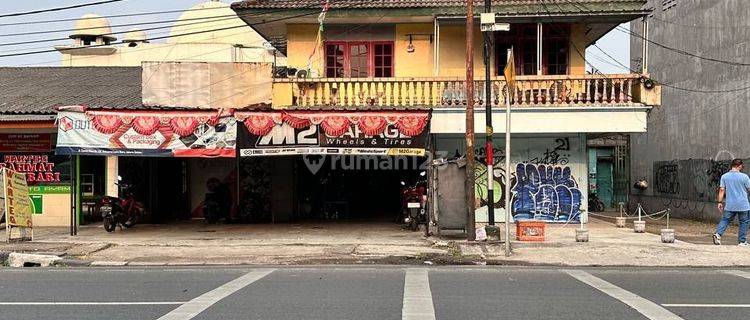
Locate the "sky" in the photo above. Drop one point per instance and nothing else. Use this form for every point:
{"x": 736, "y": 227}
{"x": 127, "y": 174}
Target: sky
{"x": 616, "y": 43}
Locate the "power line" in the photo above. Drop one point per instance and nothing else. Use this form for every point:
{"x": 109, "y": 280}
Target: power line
{"x": 112, "y": 26}
{"x": 226, "y": 18}
{"x": 680, "y": 51}
{"x": 109, "y": 33}
{"x": 16, "y": 14}
{"x": 107, "y": 17}
{"x": 660, "y": 82}
{"x": 696, "y": 26}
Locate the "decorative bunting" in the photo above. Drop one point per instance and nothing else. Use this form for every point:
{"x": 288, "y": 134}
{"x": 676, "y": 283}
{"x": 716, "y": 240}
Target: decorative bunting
{"x": 107, "y": 124}
{"x": 259, "y": 124}
{"x": 335, "y": 125}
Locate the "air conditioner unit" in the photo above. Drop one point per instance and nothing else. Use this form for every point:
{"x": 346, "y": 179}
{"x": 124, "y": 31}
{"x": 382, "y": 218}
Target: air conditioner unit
{"x": 301, "y": 74}
{"x": 648, "y": 92}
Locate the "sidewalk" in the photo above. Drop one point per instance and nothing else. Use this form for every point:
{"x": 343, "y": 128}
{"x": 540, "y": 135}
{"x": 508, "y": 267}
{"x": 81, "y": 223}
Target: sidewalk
{"x": 195, "y": 243}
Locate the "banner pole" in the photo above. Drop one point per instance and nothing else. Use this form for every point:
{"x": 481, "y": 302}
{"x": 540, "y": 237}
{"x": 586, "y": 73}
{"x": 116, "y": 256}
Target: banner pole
{"x": 507, "y": 174}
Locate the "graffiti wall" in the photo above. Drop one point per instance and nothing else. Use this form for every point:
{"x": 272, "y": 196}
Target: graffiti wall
{"x": 548, "y": 177}
{"x": 690, "y": 179}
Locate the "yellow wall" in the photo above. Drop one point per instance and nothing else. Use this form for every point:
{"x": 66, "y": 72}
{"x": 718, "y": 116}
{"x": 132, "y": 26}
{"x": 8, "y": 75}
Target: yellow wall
{"x": 421, "y": 62}
{"x": 55, "y": 211}
{"x": 301, "y": 44}
{"x": 577, "y": 64}
{"x": 452, "y": 61}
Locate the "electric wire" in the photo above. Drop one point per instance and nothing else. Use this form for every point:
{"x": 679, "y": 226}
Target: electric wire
{"x": 107, "y": 17}
{"x": 17, "y": 14}
{"x": 189, "y": 33}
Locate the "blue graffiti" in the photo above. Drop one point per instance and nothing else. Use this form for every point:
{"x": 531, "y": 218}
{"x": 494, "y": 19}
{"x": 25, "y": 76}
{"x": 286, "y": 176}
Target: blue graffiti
{"x": 545, "y": 192}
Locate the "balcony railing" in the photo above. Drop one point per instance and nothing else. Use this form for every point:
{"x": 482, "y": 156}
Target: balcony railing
{"x": 404, "y": 93}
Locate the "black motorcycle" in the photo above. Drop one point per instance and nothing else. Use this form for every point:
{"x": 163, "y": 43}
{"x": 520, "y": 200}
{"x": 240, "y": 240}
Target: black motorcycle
{"x": 216, "y": 202}
{"x": 123, "y": 212}
{"x": 595, "y": 205}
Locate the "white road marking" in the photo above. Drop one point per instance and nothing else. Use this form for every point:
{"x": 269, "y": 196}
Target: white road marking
{"x": 687, "y": 305}
{"x": 194, "y": 307}
{"x": 91, "y": 303}
{"x": 417, "y": 296}
{"x": 738, "y": 273}
{"x": 645, "y": 307}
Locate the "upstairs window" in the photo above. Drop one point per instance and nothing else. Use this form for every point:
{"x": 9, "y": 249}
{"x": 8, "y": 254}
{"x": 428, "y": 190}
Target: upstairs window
{"x": 522, "y": 38}
{"x": 359, "y": 59}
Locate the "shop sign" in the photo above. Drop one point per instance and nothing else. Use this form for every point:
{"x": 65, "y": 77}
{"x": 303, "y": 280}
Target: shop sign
{"x": 25, "y": 142}
{"x": 395, "y": 134}
{"x": 39, "y": 168}
{"x": 17, "y": 200}
{"x": 146, "y": 133}
{"x": 42, "y": 190}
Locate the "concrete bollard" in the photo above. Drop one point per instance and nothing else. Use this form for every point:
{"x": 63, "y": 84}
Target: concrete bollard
{"x": 620, "y": 222}
{"x": 667, "y": 235}
{"x": 582, "y": 235}
{"x": 639, "y": 226}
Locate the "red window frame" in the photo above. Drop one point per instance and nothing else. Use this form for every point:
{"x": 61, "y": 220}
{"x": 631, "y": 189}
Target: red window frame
{"x": 347, "y": 47}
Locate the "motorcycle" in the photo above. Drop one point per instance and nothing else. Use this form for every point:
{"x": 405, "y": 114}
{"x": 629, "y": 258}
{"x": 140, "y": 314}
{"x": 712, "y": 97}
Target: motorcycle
{"x": 123, "y": 212}
{"x": 216, "y": 202}
{"x": 595, "y": 205}
{"x": 414, "y": 202}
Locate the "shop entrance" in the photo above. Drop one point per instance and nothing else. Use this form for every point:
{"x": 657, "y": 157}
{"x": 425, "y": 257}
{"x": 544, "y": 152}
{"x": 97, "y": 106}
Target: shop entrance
{"x": 160, "y": 183}
{"x": 352, "y": 188}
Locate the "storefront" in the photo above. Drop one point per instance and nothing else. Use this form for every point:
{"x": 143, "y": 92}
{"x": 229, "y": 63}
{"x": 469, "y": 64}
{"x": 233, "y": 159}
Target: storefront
{"x": 47, "y": 174}
{"x": 329, "y": 166}
{"x": 549, "y": 175}
{"x": 164, "y": 157}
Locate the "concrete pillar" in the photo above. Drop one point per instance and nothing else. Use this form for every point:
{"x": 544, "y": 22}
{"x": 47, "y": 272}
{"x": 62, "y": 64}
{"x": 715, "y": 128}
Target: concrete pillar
{"x": 112, "y": 170}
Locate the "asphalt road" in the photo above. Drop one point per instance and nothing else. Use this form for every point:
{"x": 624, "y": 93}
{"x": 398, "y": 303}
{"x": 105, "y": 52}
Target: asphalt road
{"x": 379, "y": 292}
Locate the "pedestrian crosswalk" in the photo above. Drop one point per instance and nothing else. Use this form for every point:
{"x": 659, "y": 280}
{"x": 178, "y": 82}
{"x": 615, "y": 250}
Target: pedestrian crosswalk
{"x": 376, "y": 292}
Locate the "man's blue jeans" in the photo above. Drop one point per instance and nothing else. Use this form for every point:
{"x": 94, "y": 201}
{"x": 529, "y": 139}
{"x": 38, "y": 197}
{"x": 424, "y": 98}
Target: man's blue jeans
{"x": 743, "y": 216}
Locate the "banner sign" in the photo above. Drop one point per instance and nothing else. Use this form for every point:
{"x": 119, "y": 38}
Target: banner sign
{"x": 146, "y": 133}
{"x": 25, "y": 142}
{"x": 343, "y": 133}
{"x": 17, "y": 201}
{"x": 39, "y": 168}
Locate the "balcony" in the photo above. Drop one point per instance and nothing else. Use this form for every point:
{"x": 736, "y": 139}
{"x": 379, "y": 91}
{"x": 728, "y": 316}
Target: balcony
{"x": 436, "y": 92}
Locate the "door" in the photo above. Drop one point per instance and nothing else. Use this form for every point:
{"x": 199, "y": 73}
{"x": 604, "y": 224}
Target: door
{"x": 604, "y": 181}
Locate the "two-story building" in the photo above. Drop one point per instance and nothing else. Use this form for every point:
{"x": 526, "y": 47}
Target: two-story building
{"x": 348, "y": 59}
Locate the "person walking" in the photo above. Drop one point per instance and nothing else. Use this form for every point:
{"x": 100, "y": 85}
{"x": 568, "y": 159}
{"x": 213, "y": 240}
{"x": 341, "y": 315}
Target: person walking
{"x": 734, "y": 186}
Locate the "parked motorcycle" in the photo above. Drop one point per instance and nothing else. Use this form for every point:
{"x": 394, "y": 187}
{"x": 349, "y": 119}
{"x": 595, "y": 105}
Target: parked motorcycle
{"x": 216, "y": 202}
{"x": 595, "y": 205}
{"x": 123, "y": 212}
{"x": 414, "y": 202}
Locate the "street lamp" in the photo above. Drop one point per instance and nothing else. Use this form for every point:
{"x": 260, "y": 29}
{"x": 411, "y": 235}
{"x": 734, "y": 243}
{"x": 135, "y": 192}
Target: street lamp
{"x": 488, "y": 26}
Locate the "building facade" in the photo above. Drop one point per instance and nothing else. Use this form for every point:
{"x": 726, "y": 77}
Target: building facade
{"x": 399, "y": 56}
{"x": 700, "y": 127}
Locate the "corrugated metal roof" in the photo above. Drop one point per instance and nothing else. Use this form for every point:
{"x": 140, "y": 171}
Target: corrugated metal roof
{"x": 400, "y": 4}
{"x": 38, "y": 90}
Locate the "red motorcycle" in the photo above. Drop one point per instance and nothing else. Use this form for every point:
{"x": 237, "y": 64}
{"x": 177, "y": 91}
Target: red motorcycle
{"x": 414, "y": 202}
{"x": 124, "y": 212}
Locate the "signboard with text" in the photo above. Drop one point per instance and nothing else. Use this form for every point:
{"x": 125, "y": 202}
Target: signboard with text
{"x": 18, "y": 206}
{"x": 25, "y": 142}
{"x": 336, "y": 134}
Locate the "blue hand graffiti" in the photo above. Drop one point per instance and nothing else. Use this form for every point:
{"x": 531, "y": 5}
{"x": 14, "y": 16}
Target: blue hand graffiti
{"x": 545, "y": 192}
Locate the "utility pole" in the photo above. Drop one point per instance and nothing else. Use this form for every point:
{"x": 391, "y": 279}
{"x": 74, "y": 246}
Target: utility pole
{"x": 489, "y": 146}
{"x": 470, "y": 221}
